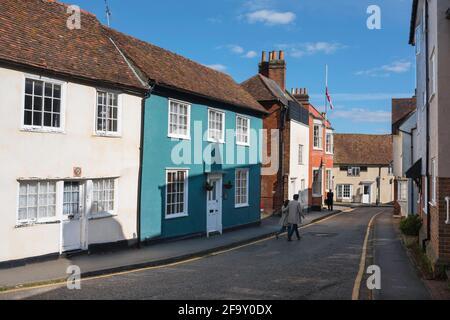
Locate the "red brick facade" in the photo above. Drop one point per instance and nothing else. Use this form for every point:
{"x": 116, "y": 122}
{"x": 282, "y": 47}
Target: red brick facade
{"x": 274, "y": 188}
{"x": 438, "y": 248}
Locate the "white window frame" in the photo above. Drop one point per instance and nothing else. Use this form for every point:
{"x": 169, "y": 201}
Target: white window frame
{"x": 222, "y": 138}
{"x": 301, "y": 155}
{"x": 91, "y": 193}
{"x": 425, "y": 196}
{"x": 340, "y": 191}
{"x": 354, "y": 172}
{"x": 187, "y": 136}
{"x": 241, "y": 143}
{"x": 321, "y": 182}
{"x": 402, "y": 186}
{"x": 433, "y": 77}
{"x": 329, "y": 183}
{"x": 433, "y": 183}
{"x": 329, "y": 145}
{"x": 418, "y": 39}
{"x": 38, "y": 220}
{"x": 101, "y": 133}
{"x": 247, "y": 174}
{"x": 185, "y": 212}
{"x": 319, "y": 145}
{"x": 43, "y": 129}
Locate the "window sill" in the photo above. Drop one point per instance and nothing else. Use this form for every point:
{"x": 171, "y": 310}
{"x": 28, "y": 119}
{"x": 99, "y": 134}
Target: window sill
{"x": 100, "y": 216}
{"x": 317, "y": 149}
{"x": 216, "y": 142}
{"x": 243, "y": 144}
{"x": 174, "y": 137}
{"x": 42, "y": 130}
{"x": 177, "y": 216}
{"x": 241, "y": 206}
{"x": 107, "y": 135}
{"x": 33, "y": 224}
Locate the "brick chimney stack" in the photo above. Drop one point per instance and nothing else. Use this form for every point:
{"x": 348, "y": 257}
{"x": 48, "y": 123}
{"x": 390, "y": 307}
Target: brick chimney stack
{"x": 301, "y": 94}
{"x": 275, "y": 68}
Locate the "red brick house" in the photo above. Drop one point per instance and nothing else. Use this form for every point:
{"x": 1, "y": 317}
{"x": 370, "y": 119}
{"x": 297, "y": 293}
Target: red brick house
{"x": 321, "y": 151}
{"x": 288, "y": 116}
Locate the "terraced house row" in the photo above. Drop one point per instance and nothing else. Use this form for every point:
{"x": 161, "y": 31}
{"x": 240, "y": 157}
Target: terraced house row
{"x": 108, "y": 140}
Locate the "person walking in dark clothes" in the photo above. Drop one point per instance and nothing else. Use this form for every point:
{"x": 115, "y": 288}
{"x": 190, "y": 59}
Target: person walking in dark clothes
{"x": 330, "y": 200}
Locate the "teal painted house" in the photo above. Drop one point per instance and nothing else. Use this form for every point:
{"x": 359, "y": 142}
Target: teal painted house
{"x": 201, "y": 146}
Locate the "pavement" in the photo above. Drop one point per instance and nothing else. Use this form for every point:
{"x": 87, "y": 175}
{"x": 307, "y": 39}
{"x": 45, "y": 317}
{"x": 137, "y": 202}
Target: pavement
{"x": 154, "y": 255}
{"x": 400, "y": 280}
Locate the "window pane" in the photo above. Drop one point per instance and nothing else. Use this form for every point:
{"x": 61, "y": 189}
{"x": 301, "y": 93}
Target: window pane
{"x": 28, "y": 102}
{"x": 48, "y": 90}
{"x": 38, "y": 88}
{"x": 37, "y": 103}
{"x": 47, "y": 119}
{"x": 57, "y": 91}
{"x": 29, "y": 86}
{"x": 37, "y": 118}
{"x": 28, "y": 118}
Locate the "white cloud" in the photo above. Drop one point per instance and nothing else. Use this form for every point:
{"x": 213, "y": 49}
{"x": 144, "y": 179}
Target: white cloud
{"x": 236, "y": 49}
{"x": 397, "y": 67}
{"x": 217, "y": 67}
{"x": 299, "y": 50}
{"x": 271, "y": 17}
{"x": 362, "y": 115}
{"x": 251, "y": 54}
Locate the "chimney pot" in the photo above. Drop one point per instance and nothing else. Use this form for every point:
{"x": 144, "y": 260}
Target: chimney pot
{"x": 281, "y": 55}
{"x": 264, "y": 56}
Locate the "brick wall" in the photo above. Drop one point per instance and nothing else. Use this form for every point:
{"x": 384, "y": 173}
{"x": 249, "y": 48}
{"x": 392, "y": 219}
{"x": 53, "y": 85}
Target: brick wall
{"x": 271, "y": 196}
{"x": 440, "y": 217}
{"x": 438, "y": 248}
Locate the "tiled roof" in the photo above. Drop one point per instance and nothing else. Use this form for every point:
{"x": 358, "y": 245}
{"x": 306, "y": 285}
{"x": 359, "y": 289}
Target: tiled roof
{"x": 265, "y": 89}
{"x": 34, "y": 33}
{"x": 401, "y": 108}
{"x": 174, "y": 71}
{"x": 360, "y": 149}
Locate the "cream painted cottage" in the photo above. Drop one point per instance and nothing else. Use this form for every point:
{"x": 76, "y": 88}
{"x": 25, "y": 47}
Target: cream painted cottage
{"x": 70, "y": 114}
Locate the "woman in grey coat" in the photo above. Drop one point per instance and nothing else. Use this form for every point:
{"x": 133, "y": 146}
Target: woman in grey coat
{"x": 283, "y": 221}
{"x": 294, "y": 218}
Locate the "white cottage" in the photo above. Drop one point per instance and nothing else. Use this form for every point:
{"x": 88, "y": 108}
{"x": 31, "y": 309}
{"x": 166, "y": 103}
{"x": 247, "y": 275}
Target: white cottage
{"x": 70, "y": 115}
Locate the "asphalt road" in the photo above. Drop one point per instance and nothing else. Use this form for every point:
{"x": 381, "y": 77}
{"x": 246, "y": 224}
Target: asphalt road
{"x": 323, "y": 265}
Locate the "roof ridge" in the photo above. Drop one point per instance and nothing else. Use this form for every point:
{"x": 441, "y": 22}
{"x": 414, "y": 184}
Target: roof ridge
{"x": 168, "y": 51}
{"x": 68, "y": 5}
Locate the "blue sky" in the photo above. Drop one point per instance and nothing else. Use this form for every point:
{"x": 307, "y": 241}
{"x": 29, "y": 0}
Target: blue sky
{"x": 367, "y": 67}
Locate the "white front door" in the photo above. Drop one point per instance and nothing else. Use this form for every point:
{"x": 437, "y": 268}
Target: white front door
{"x": 367, "y": 194}
{"x": 214, "y": 205}
{"x": 72, "y": 216}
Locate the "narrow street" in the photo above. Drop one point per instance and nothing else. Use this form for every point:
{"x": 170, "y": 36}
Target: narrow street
{"x": 323, "y": 265}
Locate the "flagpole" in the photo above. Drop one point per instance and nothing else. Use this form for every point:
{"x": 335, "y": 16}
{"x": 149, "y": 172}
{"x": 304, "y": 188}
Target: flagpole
{"x": 326, "y": 90}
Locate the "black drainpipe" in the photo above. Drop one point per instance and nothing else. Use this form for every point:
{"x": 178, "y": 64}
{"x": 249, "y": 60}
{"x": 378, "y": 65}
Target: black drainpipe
{"x": 281, "y": 153}
{"x": 147, "y": 96}
{"x": 427, "y": 90}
